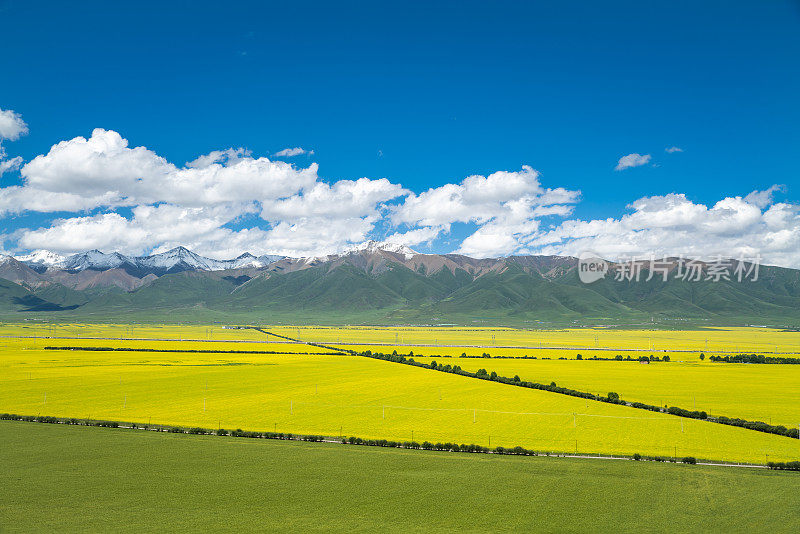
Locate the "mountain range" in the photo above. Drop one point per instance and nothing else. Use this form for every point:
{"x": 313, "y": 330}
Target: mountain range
{"x": 379, "y": 283}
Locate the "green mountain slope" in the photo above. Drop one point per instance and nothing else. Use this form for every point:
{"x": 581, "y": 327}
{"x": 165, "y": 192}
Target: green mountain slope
{"x": 507, "y": 291}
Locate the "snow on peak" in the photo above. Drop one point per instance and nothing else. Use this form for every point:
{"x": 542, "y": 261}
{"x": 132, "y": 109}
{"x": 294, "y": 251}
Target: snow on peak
{"x": 381, "y": 246}
{"x": 179, "y": 256}
{"x": 248, "y": 260}
{"x": 94, "y": 259}
{"x": 42, "y": 257}
{"x": 185, "y": 257}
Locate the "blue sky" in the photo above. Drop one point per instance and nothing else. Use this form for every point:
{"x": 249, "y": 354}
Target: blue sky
{"x": 424, "y": 96}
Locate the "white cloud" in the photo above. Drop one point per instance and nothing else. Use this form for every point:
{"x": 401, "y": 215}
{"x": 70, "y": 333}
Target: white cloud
{"x": 11, "y": 125}
{"x": 151, "y": 227}
{"x": 230, "y": 155}
{"x": 228, "y": 202}
{"x": 673, "y": 149}
{"x": 9, "y": 165}
{"x": 194, "y": 206}
{"x": 632, "y": 160}
{"x": 478, "y": 199}
{"x": 426, "y": 234}
{"x": 672, "y": 225}
{"x": 103, "y": 171}
{"x": 11, "y": 128}
{"x": 291, "y": 152}
{"x": 762, "y": 199}
{"x": 504, "y": 205}
{"x": 344, "y": 199}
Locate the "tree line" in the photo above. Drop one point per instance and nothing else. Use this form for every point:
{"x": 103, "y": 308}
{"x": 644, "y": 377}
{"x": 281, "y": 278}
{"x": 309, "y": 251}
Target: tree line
{"x": 754, "y": 358}
{"x": 351, "y": 440}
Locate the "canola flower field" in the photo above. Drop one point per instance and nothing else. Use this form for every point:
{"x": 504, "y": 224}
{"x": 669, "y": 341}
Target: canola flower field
{"x": 769, "y": 393}
{"x": 352, "y": 395}
{"x": 514, "y": 342}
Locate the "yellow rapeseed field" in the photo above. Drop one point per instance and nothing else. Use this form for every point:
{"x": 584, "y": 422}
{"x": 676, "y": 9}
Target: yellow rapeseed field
{"x": 506, "y": 341}
{"x": 329, "y": 395}
{"x": 769, "y": 393}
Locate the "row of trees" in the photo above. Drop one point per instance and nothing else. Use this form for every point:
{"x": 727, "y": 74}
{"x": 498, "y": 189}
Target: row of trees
{"x": 353, "y": 440}
{"x": 754, "y": 358}
{"x": 612, "y": 397}
{"x": 787, "y": 466}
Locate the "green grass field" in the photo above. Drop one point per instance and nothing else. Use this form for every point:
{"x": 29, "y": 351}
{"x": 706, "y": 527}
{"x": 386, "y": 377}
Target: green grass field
{"x": 64, "y": 478}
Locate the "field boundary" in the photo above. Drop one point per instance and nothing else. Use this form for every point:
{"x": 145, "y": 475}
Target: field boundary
{"x": 408, "y": 445}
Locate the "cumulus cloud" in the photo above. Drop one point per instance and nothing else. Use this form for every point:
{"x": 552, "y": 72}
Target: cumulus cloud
{"x": 478, "y": 199}
{"x": 291, "y": 152}
{"x": 195, "y": 205}
{"x": 343, "y": 199}
{"x": 150, "y": 227}
{"x": 632, "y": 160}
{"x": 673, "y": 149}
{"x": 227, "y": 202}
{"x": 11, "y": 125}
{"x": 504, "y": 205}
{"x": 103, "y": 171}
{"x": 672, "y": 225}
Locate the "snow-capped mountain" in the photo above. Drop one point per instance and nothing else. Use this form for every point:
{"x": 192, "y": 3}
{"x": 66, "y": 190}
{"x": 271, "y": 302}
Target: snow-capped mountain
{"x": 248, "y": 260}
{"x": 174, "y": 260}
{"x": 94, "y": 259}
{"x": 43, "y": 258}
{"x": 380, "y": 246}
{"x": 182, "y": 259}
